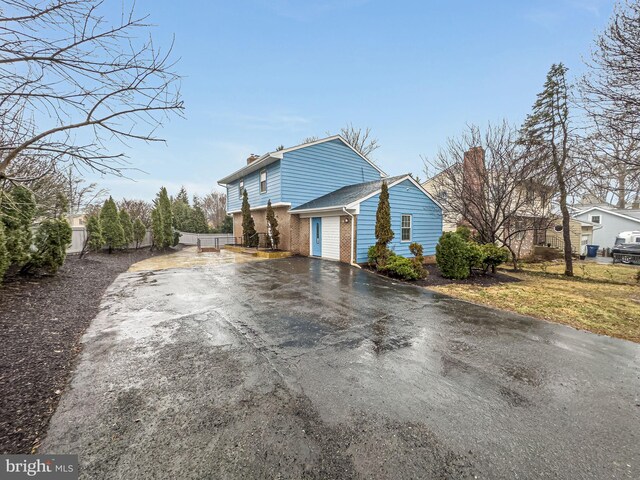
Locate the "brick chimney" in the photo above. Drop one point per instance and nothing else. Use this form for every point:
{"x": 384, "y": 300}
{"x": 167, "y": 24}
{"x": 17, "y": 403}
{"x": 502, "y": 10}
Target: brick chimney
{"x": 252, "y": 158}
{"x": 473, "y": 168}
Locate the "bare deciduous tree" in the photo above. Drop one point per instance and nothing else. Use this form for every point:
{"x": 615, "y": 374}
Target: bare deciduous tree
{"x": 214, "y": 205}
{"x": 612, "y": 86}
{"x": 81, "y": 194}
{"x": 137, "y": 209}
{"x": 489, "y": 181}
{"x": 612, "y": 153}
{"x": 71, "y": 82}
{"x": 360, "y": 139}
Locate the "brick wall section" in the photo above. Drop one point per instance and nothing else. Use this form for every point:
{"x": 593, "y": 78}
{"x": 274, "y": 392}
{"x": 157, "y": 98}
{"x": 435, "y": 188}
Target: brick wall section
{"x": 345, "y": 239}
{"x": 260, "y": 219}
{"x": 294, "y": 229}
{"x": 304, "y": 236}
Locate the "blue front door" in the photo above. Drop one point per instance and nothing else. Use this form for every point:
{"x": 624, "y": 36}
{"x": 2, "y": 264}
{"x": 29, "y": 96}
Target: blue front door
{"x": 316, "y": 236}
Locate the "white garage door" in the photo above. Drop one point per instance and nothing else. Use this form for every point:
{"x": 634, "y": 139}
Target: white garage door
{"x": 331, "y": 238}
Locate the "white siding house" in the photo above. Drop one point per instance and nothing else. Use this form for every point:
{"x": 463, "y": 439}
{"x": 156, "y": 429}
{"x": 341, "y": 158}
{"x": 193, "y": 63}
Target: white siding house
{"x": 608, "y": 223}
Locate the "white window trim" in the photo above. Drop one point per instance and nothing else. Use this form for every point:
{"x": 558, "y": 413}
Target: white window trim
{"x": 264, "y": 170}
{"x": 410, "y": 227}
{"x": 599, "y": 222}
{"x": 241, "y": 188}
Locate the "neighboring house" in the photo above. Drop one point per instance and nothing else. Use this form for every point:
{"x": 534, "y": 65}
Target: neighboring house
{"x": 536, "y": 223}
{"x": 77, "y": 219}
{"x": 325, "y": 195}
{"x": 608, "y": 223}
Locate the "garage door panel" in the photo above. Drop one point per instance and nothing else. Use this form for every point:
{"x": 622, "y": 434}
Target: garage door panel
{"x": 331, "y": 238}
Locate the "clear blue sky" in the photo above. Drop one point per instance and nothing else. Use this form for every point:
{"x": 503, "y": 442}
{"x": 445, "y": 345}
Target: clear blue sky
{"x": 262, "y": 73}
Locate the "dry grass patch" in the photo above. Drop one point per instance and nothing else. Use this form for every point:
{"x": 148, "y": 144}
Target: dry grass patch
{"x": 604, "y": 308}
{"x": 610, "y": 273}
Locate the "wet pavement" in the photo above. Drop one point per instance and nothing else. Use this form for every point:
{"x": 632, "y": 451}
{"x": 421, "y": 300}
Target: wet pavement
{"x": 189, "y": 257}
{"x": 302, "y": 368}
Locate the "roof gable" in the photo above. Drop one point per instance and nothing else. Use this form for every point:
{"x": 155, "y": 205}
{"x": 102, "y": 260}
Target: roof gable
{"x": 271, "y": 157}
{"x": 352, "y": 195}
{"x": 611, "y": 212}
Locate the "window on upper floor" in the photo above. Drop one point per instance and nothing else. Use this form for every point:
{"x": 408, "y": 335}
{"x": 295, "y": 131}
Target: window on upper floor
{"x": 595, "y": 219}
{"x": 406, "y": 228}
{"x": 240, "y": 188}
{"x": 263, "y": 180}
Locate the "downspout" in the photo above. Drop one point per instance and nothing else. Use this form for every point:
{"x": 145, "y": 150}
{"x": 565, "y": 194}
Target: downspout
{"x": 351, "y": 262}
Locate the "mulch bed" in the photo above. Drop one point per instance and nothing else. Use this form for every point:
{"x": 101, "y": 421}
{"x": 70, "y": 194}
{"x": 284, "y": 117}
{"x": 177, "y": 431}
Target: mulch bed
{"x": 41, "y": 322}
{"x": 477, "y": 278}
{"x": 435, "y": 279}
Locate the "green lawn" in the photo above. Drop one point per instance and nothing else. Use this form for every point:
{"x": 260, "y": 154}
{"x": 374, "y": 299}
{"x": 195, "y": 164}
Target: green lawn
{"x": 603, "y": 299}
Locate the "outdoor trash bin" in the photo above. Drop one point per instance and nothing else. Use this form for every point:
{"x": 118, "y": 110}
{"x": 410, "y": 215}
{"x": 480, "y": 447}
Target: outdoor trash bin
{"x": 592, "y": 250}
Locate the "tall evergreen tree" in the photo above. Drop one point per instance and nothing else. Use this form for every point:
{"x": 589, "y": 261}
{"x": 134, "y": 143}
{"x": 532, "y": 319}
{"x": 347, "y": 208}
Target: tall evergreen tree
{"x": 383, "y": 231}
{"x": 52, "y": 240}
{"x": 547, "y": 132}
{"x": 182, "y": 212}
{"x": 157, "y": 228}
{"x": 4, "y": 253}
{"x": 111, "y": 227}
{"x": 273, "y": 234}
{"x": 95, "y": 239}
{"x": 127, "y": 227}
{"x": 18, "y": 208}
{"x": 139, "y": 232}
{"x": 164, "y": 204}
{"x": 248, "y": 225}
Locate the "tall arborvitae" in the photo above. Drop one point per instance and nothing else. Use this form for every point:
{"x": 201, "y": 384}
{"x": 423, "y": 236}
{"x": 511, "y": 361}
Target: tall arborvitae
{"x": 383, "y": 231}
{"x": 248, "y": 225}
{"x": 157, "y": 229}
{"x": 139, "y": 232}
{"x": 18, "y": 208}
{"x": 127, "y": 227}
{"x": 273, "y": 234}
{"x": 111, "y": 226}
{"x": 164, "y": 205}
{"x": 95, "y": 240}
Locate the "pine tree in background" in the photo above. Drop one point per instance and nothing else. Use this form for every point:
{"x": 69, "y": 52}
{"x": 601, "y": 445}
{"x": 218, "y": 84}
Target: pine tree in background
{"x": 95, "y": 240}
{"x": 273, "y": 235}
{"x": 139, "y": 232}
{"x": 182, "y": 212}
{"x": 4, "y": 254}
{"x": 248, "y": 225}
{"x": 547, "y": 133}
{"x": 111, "y": 227}
{"x": 166, "y": 216}
{"x": 157, "y": 229}
{"x": 127, "y": 227}
{"x": 383, "y": 231}
{"x": 198, "y": 217}
{"x": 18, "y": 208}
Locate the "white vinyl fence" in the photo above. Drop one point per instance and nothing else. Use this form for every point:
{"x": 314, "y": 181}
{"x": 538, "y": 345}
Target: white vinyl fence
{"x": 79, "y": 236}
{"x": 206, "y": 239}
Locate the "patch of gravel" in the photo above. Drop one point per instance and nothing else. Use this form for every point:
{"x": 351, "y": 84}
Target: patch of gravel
{"x": 41, "y": 322}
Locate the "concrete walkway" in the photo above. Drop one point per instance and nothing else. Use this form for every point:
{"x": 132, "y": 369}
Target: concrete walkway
{"x": 302, "y": 368}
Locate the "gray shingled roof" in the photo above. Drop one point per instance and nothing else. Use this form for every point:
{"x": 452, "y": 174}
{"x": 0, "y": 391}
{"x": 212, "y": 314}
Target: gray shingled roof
{"x": 346, "y": 195}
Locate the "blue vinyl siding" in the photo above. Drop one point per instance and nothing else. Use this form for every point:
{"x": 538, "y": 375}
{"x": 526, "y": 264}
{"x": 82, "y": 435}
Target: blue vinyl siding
{"x": 405, "y": 199}
{"x": 316, "y": 170}
{"x": 252, "y": 185}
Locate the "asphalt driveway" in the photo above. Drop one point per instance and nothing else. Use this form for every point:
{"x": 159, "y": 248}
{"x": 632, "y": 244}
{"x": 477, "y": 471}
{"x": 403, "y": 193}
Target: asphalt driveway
{"x": 301, "y": 368}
